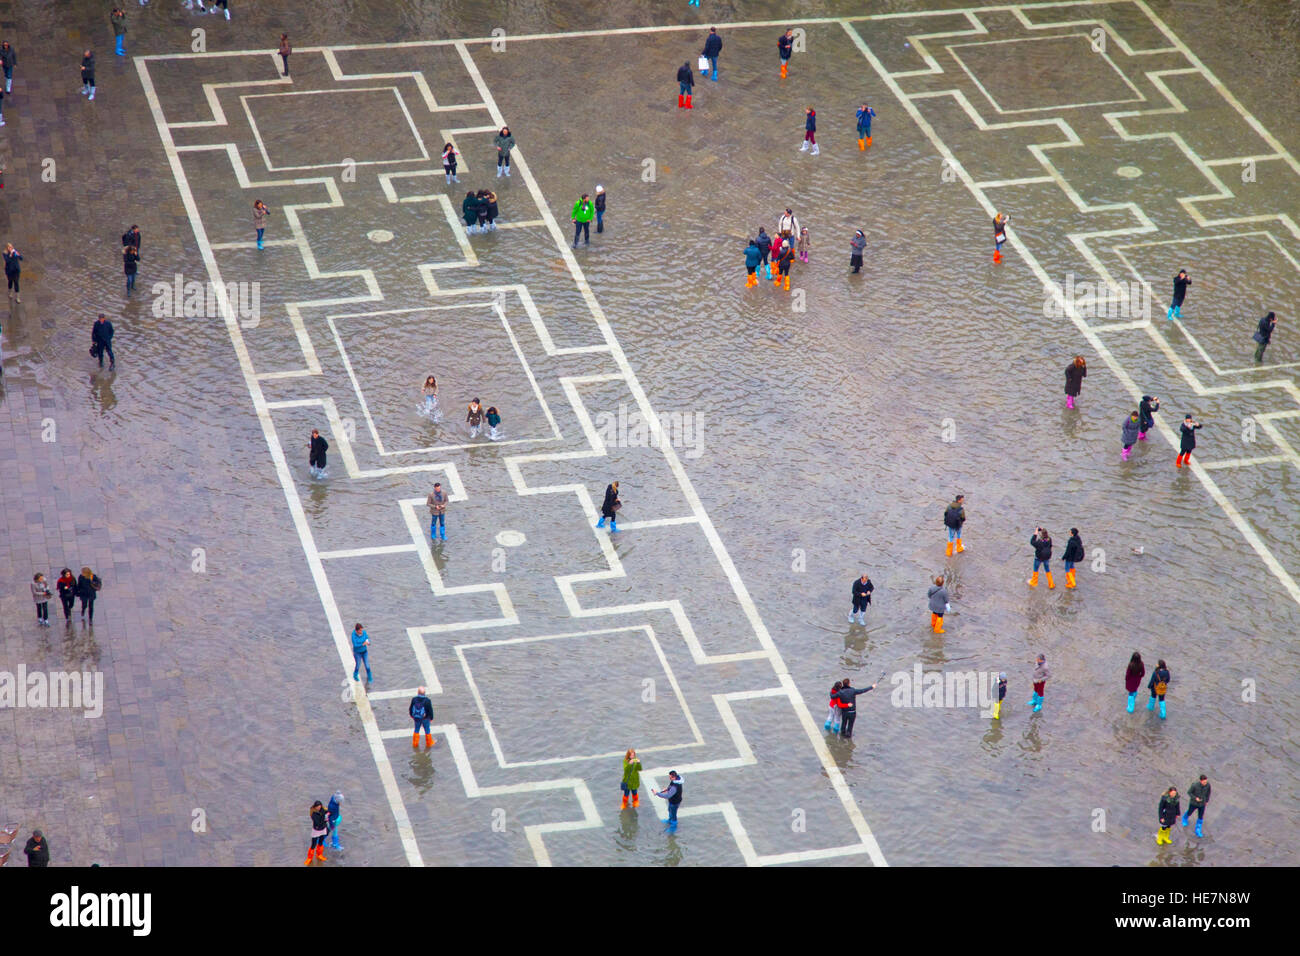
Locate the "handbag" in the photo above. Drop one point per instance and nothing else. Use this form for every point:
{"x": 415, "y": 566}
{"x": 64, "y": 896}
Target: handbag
{"x": 704, "y": 63}
{"x": 1258, "y": 336}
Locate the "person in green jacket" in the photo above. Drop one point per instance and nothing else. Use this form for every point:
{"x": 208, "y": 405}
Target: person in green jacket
{"x": 631, "y": 778}
{"x": 584, "y": 210}
{"x": 504, "y": 142}
{"x": 1198, "y": 795}
{"x": 118, "y": 17}
{"x": 469, "y": 210}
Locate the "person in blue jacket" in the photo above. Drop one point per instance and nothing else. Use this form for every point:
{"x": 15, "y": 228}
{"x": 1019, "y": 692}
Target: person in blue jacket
{"x": 753, "y": 256}
{"x": 360, "y": 653}
{"x": 334, "y": 816}
{"x": 101, "y": 335}
{"x": 865, "y": 115}
{"x": 810, "y": 132}
{"x": 673, "y": 794}
{"x": 712, "y": 47}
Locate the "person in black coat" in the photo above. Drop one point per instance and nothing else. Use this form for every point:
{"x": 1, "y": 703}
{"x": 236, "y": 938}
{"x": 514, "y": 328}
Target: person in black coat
{"x": 1168, "y": 812}
{"x": 609, "y": 508}
{"x": 712, "y": 47}
{"x": 1072, "y": 556}
{"x": 862, "y": 588}
{"x": 1264, "y": 335}
{"x": 37, "y": 850}
{"x": 784, "y": 48}
{"x": 132, "y": 237}
{"x": 849, "y": 705}
{"x": 88, "y": 585}
{"x": 1181, "y": 282}
{"x": 1042, "y": 543}
{"x": 1186, "y": 441}
{"x": 685, "y": 81}
{"x": 101, "y": 337}
{"x": 1075, "y": 373}
{"x": 13, "y": 270}
{"x": 316, "y": 457}
{"x": 1146, "y": 415}
{"x": 130, "y": 265}
{"x": 88, "y": 74}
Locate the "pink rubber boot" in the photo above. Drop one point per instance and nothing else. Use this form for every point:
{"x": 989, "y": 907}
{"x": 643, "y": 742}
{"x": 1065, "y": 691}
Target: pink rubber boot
{"x": 1142, "y": 436}
{"x": 1069, "y": 401}
{"x": 1125, "y": 453}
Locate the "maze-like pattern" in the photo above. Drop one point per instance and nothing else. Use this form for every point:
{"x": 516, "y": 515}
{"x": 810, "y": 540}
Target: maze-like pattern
{"x": 327, "y": 351}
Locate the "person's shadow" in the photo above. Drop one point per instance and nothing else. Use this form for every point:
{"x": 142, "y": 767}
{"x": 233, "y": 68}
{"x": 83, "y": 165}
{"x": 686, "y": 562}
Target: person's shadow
{"x": 101, "y": 389}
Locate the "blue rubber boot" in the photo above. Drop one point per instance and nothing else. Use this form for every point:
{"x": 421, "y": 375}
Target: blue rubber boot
{"x": 601, "y": 522}
{"x": 1162, "y": 710}
{"x": 1151, "y": 703}
{"x": 1038, "y": 704}
{"x": 442, "y": 532}
{"x": 1032, "y": 700}
{"x": 613, "y": 525}
{"x": 1199, "y": 833}
{"x": 827, "y": 726}
{"x": 715, "y": 75}
{"x": 1186, "y": 815}
{"x": 1132, "y": 702}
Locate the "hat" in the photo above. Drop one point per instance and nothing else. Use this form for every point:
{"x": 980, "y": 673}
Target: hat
{"x": 672, "y": 773}
{"x": 1042, "y": 657}
{"x": 600, "y": 189}
{"x": 1002, "y": 676}
{"x": 338, "y": 796}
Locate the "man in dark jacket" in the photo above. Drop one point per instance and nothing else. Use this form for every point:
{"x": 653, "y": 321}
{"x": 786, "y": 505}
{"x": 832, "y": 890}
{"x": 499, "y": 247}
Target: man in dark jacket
{"x": 88, "y": 74}
{"x": 1072, "y": 556}
{"x": 685, "y": 82}
{"x": 1168, "y": 814}
{"x": 712, "y": 47}
{"x": 1198, "y": 795}
{"x": 132, "y": 238}
{"x": 954, "y": 516}
{"x": 849, "y": 705}
{"x": 101, "y": 334}
{"x": 862, "y": 588}
{"x": 1264, "y": 335}
{"x": 1181, "y": 282}
{"x": 785, "y": 47}
{"x": 8, "y": 59}
{"x": 421, "y": 711}
{"x": 37, "y": 850}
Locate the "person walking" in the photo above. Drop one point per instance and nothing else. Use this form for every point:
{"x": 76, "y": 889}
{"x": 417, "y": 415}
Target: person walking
{"x": 320, "y": 824}
{"x": 784, "y": 261}
{"x": 67, "y": 585}
{"x": 862, "y": 588}
{"x": 88, "y": 74}
{"x": 225, "y": 6}
{"x": 856, "y": 245}
{"x": 260, "y": 212}
{"x": 849, "y": 697}
{"x": 833, "y": 710}
{"x": 1181, "y": 282}
{"x": 1147, "y": 409}
{"x": 88, "y": 585}
{"x": 1129, "y": 432}
{"x": 8, "y": 60}
{"x": 360, "y": 652}
{"x": 685, "y": 84}
{"x": 1167, "y": 811}
{"x": 334, "y": 815}
{"x": 469, "y": 212}
{"x": 37, "y": 850}
{"x": 600, "y": 208}
{"x": 1041, "y": 542}
{"x": 429, "y": 408}
{"x": 712, "y": 47}
{"x": 673, "y": 793}
{"x": 493, "y": 419}
{"x": 41, "y": 594}
{"x": 784, "y": 49}
{"x": 1198, "y": 796}
{"x": 1072, "y": 556}
{"x": 118, "y": 18}
{"x": 474, "y": 418}
{"x": 1264, "y": 335}
{"x": 13, "y": 271}
{"x": 449, "y": 162}
{"x": 1186, "y": 441}
{"x": 753, "y": 256}
{"x": 132, "y": 238}
{"x": 421, "y": 711}
{"x": 1159, "y": 685}
{"x": 810, "y": 131}
{"x": 504, "y": 141}
{"x": 631, "y": 782}
{"x": 130, "y": 265}
{"x": 805, "y": 244}
{"x": 865, "y": 115}
{"x": 999, "y": 235}
{"x": 316, "y": 454}
{"x": 1075, "y": 373}
{"x": 101, "y": 338}
{"x": 1039, "y": 678}
{"x": 1133, "y": 675}
{"x": 584, "y": 210}
{"x": 938, "y": 596}
{"x": 284, "y": 51}
{"x": 764, "y": 243}
{"x": 437, "y": 503}
{"x": 1002, "y": 695}
{"x": 954, "y": 516}
{"x": 610, "y": 507}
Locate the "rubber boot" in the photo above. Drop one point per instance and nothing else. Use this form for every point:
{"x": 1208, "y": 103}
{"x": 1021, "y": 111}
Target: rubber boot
{"x": 320, "y": 853}
{"x": 862, "y": 618}
{"x": 1033, "y": 581}
{"x": 1124, "y": 453}
{"x": 827, "y": 725}
{"x": 688, "y": 102}
{"x": 1151, "y": 703}
{"x": 613, "y": 525}
{"x": 776, "y": 280}
{"x": 783, "y": 70}
{"x": 1051, "y": 585}
{"x": 997, "y": 255}
{"x": 934, "y": 621}
{"x": 1169, "y": 316}
{"x": 787, "y": 282}
{"x": 1160, "y": 836}
{"x": 997, "y": 710}
{"x": 1162, "y": 710}
{"x": 1132, "y": 702}
{"x": 1039, "y": 706}
{"x": 1185, "y": 816}
{"x": 601, "y": 522}
{"x": 1069, "y": 578}
{"x": 681, "y": 101}
{"x": 1069, "y": 401}
{"x": 816, "y": 150}
{"x": 428, "y": 741}
{"x": 636, "y": 800}
{"x": 1178, "y": 462}
{"x": 938, "y": 624}
{"x": 1142, "y": 436}
{"x": 868, "y": 140}
{"x": 862, "y": 145}
{"x": 803, "y": 147}
{"x": 948, "y": 550}
{"x": 960, "y": 549}
{"x": 1199, "y": 832}
{"x": 311, "y": 855}
{"x": 1032, "y": 700}
{"x": 415, "y": 741}
{"x": 624, "y": 806}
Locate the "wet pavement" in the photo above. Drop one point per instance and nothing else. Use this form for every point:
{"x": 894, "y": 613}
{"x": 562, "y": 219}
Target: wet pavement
{"x": 818, "y": 433}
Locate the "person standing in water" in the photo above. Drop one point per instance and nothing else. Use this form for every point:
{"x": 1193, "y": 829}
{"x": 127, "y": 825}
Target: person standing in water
{"x": 118, "y": 18}
{"x": 685, "y": 82}
{"x": 1198, "y": 795}
{"x": 862, "y": 588}
{"x": 1264, "y": 335}
{"x": 609, "y": 507}
{"x": 421, "y": 711}
{"x": 999, "y": 235}
{"x": 1181, "y": 282}
{"x": 493, "y": 423}
{"x": 1075, "y": 373}
{"x": 753, "y": 256}
{"x": 1002, "y": 695}
{"x": 88, "y": 74}
{"x": 1133, "y": 675}
{"x": 600, "y": 209}
{"x": 130, "y": 266}
{"x": 833, "y": 710}
{"x": 1041, "y": 542}
{"x": 849, "y": 699}
{"x": 865, "y": 115}
{"x": 1186, "y": 441}
{"x": 1147, "y": 409}
{"x": 938, "y": 595}
{"x": 784, "y": 49}
{"x": 504, "y": 142}
{"x": 805, "y": 244}
{"x": 764, "y": 243}
{"x": 631, "y": 782}
{"x": 430, "y": 407}
{"x": 1129, "y": 432}
{"x": 284, "y": 51}
{"x": 316, "y": 456}
{"x": 1072, "y": 556}
{"x": 712, "y": 47}
{"x": 260, "y": 212}
{"x": 856, "y": 245}
{"x": 954, "y": 516}
{"x": 673, "y": 794}
{"x": 360, "y": 653}
{"x": 1039, "y": 677}
{"x": 1158, "y": 685}
{"x": 784, "y": 262}
{"x": 437, "y": 504}
{"x": 1167, "y": 812}
{"x": 469, "y": 212}
{"x": 474, "y": 418}
{"x": 449, "y": 161}
{"x": 8, "y": 59}
{"x": 584, "y": 210}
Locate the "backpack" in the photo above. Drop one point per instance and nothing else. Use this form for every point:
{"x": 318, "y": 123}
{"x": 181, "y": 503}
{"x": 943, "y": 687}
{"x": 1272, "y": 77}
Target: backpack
{"x": 1160, "y": 688}
{"x": 950, "y": 517}
{"x": 417, "y": 710}
{"x": 96, "y": 583}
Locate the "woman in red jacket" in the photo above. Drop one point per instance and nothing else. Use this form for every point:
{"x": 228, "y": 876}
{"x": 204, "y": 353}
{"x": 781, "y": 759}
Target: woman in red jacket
{"x": 1133, "y": 678}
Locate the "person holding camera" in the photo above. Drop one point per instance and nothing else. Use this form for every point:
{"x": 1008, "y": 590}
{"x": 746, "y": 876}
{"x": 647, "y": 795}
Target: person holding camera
{"x": 1042, "y": 544}
{"x": 1186, "y": 441}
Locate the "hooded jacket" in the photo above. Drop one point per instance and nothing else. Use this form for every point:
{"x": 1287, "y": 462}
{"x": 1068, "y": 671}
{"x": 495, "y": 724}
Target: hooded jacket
{"x": 1042, "y": 547}
{"x": 752, "y": 255}
{"x": 1265, "y": 333}
{"x": 938, "y": 599}
{"x": 864, "y": 120}
{"x": 1168, "y": 810}
{"x": 856, "y": 245}
{"x": 1073, "y": 549}
{"x": 685, "y": 75}
{"x": 763, "y": 241}
{"x": 1074, "y": 376}
{"x": 954, "y": 516}
{"x": 1130, "y": 430}
{"x": 504, "y": 143}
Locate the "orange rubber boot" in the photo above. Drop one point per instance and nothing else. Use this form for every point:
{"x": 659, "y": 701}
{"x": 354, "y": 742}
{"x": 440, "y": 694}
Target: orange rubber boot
{"x": 311, "y": 855}
{"x": 1069, "y": 578}
{"x": 1033, "y": 582}
{"x": 776, "y": 280}
{"x": 787, "y": 282}
{"x": 938, "y": 624}
{"x": 862, "y": 144}
{"x": 636, "y": 800}
{"x": 948, "y": 550}
{"x": 415, "y": 740}
{"x": 1051, "y": 585}
{"x": 624, "y": 806}
{"x": 320, "y": 853}
{"x": 428, "y": 740}
{"x": 960, "y": 548}
{"x": 783, "y": 69}
{"x": 868, "y": 140}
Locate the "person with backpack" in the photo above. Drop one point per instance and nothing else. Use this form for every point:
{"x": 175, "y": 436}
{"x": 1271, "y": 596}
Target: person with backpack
{"x": 41, "y": 594}
{"x": 954, "y": 516}
{"x": 673, "y": 793}
{"x": 1167, "y": 811}
{"x": 360, "y": 653}
{"x": 1041, "y": 542}
{"x": 421, "y": 711}
{"x": 849, "y": 698}
{"x": 1072, "y": 556}
{"x": 1159, "y": 685}
{"x": 685, "y": 83}
{"x": 584, "y": 210}
{"x": 1198, "y": 795}
{"x": 1133, "y": 675}
{"x": 67, "y": 585}
{"x": 88, "y": 586}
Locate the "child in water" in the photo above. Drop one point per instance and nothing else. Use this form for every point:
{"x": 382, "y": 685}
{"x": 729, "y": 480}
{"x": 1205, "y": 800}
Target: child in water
{"x": 833, "y": 715}
{"x": 430, "y": 409}
{"x": 493, "y": 422}
{"x": 805, "y": 244}
{"x": 474, "y": 418}
{"x": 1129, "y": 435}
